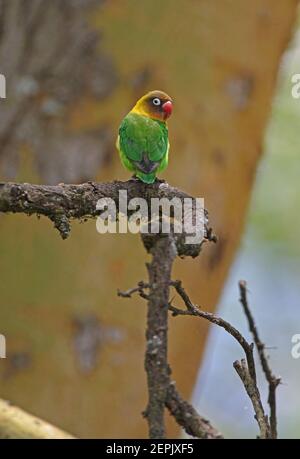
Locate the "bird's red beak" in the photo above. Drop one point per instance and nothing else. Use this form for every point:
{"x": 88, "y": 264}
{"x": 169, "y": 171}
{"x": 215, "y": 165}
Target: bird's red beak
{"x": 167, "y": 109}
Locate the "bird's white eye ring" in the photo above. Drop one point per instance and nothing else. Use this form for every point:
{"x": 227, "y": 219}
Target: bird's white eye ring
{"x": 156, "y": 101}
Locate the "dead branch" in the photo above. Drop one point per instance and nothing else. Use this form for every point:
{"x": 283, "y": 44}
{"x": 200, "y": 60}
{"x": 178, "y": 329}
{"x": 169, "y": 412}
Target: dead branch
{"x": 272, "y": 380}
{"x": 62, "y": 203}
{"x": 156, "y": 364}
{"x": 254, "y": 395}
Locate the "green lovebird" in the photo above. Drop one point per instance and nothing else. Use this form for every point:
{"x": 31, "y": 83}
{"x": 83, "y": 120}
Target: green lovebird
{"x": 143, "y": 142}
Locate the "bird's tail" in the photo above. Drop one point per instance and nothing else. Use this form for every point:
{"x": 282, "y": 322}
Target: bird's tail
{"x": 146, "y": 178}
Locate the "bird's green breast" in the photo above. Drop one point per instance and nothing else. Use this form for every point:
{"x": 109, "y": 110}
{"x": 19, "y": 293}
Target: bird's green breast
{"x": 139, "y": 134}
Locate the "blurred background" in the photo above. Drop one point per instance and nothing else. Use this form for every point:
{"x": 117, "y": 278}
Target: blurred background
{"x": 73, "y": 69}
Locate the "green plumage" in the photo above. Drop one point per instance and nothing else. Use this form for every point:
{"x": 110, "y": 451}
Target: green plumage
{"x": 143, "y": 146}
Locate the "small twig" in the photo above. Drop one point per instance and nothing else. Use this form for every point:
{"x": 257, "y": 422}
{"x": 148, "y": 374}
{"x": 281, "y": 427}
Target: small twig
{"x": 194, "y": 310}
{"x": 272, "y": 380}
{"x": 139, "y": 289}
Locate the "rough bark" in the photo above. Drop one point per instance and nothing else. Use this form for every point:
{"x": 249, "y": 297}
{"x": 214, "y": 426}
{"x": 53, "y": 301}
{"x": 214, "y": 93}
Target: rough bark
{"x": 156, "y": 358}
{"x": 62, "y": 203}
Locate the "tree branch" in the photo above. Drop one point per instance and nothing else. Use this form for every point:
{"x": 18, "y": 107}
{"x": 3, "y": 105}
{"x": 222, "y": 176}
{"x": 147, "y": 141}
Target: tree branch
{"x": 156, "y": 364}
{"x": 62, "y": 203}
{"x": 272, "y": 380}
{"x": 254, "y": 395}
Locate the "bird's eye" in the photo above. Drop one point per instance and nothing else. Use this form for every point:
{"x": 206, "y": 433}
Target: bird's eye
{"x": 156, "y": 101}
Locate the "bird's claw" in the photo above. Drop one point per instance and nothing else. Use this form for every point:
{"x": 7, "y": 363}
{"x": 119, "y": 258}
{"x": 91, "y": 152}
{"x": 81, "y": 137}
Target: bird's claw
{"x": 134, "y": 178}
{"x": 157, "y": 180}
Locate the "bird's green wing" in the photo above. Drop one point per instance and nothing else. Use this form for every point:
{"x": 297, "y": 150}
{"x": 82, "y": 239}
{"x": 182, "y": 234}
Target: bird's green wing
{"x": 144, "y": 142}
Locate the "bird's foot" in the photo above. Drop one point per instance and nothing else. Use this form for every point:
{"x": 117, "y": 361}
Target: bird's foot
{"x": 157, "y": 180}
{"x": 134, "y": 178}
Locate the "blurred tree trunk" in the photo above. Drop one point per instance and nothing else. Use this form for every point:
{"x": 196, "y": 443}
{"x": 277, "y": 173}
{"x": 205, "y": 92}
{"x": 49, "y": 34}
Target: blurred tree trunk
{"x": 73, "y": 69}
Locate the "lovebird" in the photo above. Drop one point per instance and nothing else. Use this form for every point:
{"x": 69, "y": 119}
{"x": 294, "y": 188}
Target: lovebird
{"x": 143, "y": 142}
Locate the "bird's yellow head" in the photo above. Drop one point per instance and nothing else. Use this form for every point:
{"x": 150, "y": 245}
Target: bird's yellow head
{"x": 155, "y": 104}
